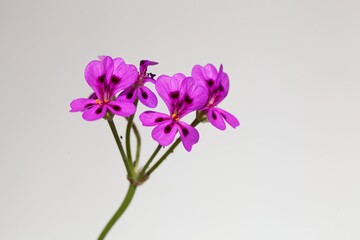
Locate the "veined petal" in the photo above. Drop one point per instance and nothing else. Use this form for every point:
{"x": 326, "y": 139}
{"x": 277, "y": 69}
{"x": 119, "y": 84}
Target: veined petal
{"x": 124, "y": 76}
{"x": 221, "y": 86}
{"x": 197, "y": 73}
{"x": 201, "y": 78}
{"x": 124, "y": 109}
{"x": 229, "y": 118}
{"x": 108, "y": 64}
{"x": 169, "y": 89}
{"x": 149, "y": 79}
{"x": 147, "y": 97}
{"x": 189, "y": 135}
{"x": 128, "y": 95}
{"x": 192, "y": 97}
{"x": 95, "y": 76}
{"x": 95, "y": 112}
{"x": 210, "y": 72}
{"x": 165, "y": 133}
{"x": 81, "y": 104}
{"x": 216, "y": 119}
{"x": 151, "y": 118}
{"x": 144, "y": 65}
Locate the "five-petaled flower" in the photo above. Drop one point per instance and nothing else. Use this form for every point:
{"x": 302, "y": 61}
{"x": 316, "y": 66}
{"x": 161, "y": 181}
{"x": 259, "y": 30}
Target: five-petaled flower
{"x": 106, "y": 77}
{"x": 181, "y": 96}
{"x": 138, "y": 90}
{"x": 217, "y": 84}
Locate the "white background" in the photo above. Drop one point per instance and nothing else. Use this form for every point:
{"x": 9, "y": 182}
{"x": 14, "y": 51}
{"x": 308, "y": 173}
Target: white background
{"x": 290, "y": 171}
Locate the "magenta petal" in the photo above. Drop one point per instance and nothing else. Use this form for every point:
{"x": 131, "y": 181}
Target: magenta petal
{"x": 216, "y": 119}
{"x": 210, "y": 72}
{"x": 166, "y": 85}
{"x": 124, "y": 76}
{"x": 94, "y": 74}
{"x": 128, "y": 95}
{"x": 229, "y": 118}
{"x": 149, "y": 79}
{"x": 124, "y": 109}
{"x": 197, "y": 73}
{"x": 189, "y": 135}
{"x": 108, "y": 64}
{"x": 144, "y": 65}
{"x": 147, "y": 97}
{"x": 193, "y": 96}
{"x": 95, "y": 112}
{"x": 151, "y": 118}
{"x": 165, "y": 133}
{"x": 81, "y": 104}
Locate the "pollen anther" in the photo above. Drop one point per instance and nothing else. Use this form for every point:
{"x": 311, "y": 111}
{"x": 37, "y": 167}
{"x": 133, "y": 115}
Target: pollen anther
{"x": 175, "y": 117}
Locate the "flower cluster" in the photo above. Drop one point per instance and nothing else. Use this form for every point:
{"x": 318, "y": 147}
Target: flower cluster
{"x": 118, "y": 86}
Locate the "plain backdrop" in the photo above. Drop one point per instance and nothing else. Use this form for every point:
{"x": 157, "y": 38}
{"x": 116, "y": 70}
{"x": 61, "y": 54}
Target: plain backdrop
{"x": 290, "y": 171}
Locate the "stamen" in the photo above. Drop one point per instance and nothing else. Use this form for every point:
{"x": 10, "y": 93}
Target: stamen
{"x": 175, "y": 117}
{"x": 98, "y": 101}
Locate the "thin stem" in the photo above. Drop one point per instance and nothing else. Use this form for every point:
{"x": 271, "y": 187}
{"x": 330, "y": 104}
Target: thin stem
{"x": 150, "y": 160}
{"x": 129, "y": 195}
{"x": 120, "y": 147}
{"x": 170, "y": 150}
{"x": 127, "y": 140}
{"x": 138, "y": 145}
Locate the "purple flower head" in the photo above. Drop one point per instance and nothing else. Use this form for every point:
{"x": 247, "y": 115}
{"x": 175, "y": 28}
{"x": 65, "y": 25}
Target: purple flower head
{"x": 181, "y": 96}
{"x": 138, "y": 90}
{"x": 106, "y": 77}
{"x": 217, "y": 84}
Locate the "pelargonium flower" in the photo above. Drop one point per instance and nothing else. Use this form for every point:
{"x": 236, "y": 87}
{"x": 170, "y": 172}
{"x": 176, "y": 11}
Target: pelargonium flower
{"x": 106, "y": 77}
{"x": 181, "y": 96}
{"x": 217, "y": 84}
{"x": 138, "y": 90}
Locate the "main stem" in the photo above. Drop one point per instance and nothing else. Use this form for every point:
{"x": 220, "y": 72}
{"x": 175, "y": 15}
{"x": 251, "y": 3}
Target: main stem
{"x": 129, "y": 196}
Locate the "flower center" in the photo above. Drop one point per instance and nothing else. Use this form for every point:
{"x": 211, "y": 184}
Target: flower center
{"x": 101, "y": 103}
{"x": 175, "y": 117}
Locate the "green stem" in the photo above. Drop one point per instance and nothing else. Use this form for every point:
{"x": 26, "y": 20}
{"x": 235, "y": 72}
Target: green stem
{"x": 150, "y": 160}
{"x": 170, "y": 150}
{"x": 120, "y": 147}
{"x": 129, "y": 195}
{"x": 127, "y": 139}
{"x": 138, "y": 145}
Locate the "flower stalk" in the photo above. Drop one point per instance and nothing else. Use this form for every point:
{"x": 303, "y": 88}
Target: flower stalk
{"x": 124, "y": 205}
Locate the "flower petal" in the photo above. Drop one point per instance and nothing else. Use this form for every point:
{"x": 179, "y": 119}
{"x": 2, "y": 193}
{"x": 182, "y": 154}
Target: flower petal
{"x": 144, "y": 65}
{"x": 192, "y": 97}
{"x": 210, "y": 72}
{"x": 124, "y": 75}
{"x": 95, "y": 76}
{"x": 95, "y": 112}
{"x": 128, "y": 95}
{"x": 124, "y": 109}
{"x": 147, "y": 97}
{"x": 169, "y": 89}
{"x": 189, "y": 135}
{"x": 151, "y": 118}
{"x": 221, "y": 86}
{"x": 229, "y": 118}
{"x": 108, "y": 64}
{"x": 216, "y": 119}
{"x": 81, "y": 104}
{"x": 165, "y": 133}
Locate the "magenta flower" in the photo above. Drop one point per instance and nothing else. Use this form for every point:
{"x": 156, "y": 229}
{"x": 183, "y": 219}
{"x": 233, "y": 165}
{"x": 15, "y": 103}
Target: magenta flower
{"x": 182, "y": 96}
{"x": 217, "y": 84}
{"x": 138, "y": 90}
{"x": 106, "y": 77}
